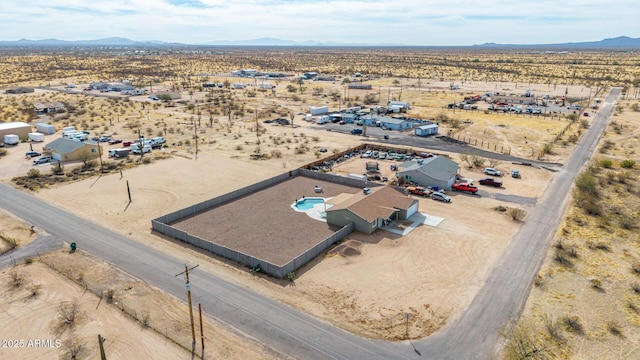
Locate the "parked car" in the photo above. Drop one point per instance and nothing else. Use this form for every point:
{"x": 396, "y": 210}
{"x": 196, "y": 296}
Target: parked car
{"x": 104, "y": 138}
{"x": 490, "y": 182}
{"x": 515, "y": 174}
{"x": 342, "y": 122}
{"x": 114, "y": 141}
{"x": 586, "y": 114}
{"x": 127, "y": 143}
{"x": 356, "y": 131}
{"x": 367, "y": 154}
{"x": 159, "y": 140}
{"x": 31, "y": 154}
{"x": 42, "y": 160}
{"x": 419, "y": 190}
{"x": 573, "y": 107}
{"x": 382, "y": 156}
{"x": 492, "y": 171}
{"x": 464, "y": 187}
{"x": 440, "y": 197}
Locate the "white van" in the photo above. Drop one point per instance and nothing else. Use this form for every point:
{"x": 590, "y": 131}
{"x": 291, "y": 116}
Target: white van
{"x": 135, "y": 148}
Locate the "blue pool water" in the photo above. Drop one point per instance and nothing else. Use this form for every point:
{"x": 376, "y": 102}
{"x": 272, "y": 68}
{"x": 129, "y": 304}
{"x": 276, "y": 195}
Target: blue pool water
{"x": 307, "y": 204}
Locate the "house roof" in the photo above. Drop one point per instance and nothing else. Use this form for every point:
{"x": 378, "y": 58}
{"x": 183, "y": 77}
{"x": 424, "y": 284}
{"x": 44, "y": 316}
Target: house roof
{"x": 65, "y": 146}
{"x": 381, "y": 203}
{"x": 13, "y": 125}
{"x": 437, "y": 167}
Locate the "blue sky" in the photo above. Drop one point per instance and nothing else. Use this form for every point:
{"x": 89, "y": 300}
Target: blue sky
{"x": 410, "y": 22}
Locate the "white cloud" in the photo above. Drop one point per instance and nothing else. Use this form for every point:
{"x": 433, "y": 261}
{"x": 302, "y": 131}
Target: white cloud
{"x": 420, "y": 22}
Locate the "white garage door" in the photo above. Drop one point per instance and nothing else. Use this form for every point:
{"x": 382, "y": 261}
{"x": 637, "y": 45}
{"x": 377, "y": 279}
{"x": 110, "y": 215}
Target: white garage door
{"x": 412, "y": 210}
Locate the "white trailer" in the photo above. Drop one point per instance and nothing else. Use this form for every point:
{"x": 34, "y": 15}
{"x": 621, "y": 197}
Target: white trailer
{"x": 11, "y": 139}
{"x": 318, "y": 110}
{"x": 36, "y": 137}
{"x": 322, "y": 119}
{"x": 68, "y": 129}
{"x": 45, "y": 128}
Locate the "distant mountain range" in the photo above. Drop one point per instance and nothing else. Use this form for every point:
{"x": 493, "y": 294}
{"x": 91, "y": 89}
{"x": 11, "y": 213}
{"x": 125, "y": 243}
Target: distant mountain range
{"x": 612, "y": 43}
{"x": 621, "y": 42}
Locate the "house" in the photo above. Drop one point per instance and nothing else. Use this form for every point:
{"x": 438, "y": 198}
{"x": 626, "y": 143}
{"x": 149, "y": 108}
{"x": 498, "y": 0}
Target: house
{"x": 15, "y": 128}
{"x": 369, "y": 212}
{"x": 435, "y": 171}
{"x": 48, "y": 107}
{"x": 69, "y": 150}
{"x": 360, "y": 86}
{"x": 99, "y": 85}
{"x": 239, "y": 85}
{"x": 516, "y": 100}
{"x": 121, "y": 87}
{"x": 19, "y": 90}
{"x": 426, "y": 130}
{"x": 401, "y": 104}
{"x": 309, "y": 75}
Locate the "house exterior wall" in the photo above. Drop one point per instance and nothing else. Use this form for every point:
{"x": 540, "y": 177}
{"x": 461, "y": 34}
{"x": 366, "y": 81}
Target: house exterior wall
{"x": 423, "y": 179}
{"x": 426, "y": 130}
{"x": 22, "y": 131}
{"x": 91, "y": 150}
{"x": 343, "y": 217}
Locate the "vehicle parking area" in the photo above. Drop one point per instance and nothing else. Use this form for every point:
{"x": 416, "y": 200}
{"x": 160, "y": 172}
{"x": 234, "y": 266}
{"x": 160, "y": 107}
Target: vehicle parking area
{"x": 263, "y": 224}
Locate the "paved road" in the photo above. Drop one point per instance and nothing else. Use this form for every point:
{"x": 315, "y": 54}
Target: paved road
{"x": 41, "y": 245}
{"x": 473, "y": 335}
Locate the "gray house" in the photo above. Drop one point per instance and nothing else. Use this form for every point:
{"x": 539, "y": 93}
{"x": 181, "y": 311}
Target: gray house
{"x": 70, "y": 150}
{"x": 387, "y": 122}
{"x": 370, "y": 212}
{"x": 435, "y": 171}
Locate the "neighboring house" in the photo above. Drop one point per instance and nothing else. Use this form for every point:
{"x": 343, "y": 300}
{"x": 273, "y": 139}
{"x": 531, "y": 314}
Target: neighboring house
{"x": 387, "y": 122}
{"x": 403, "y": 104}
{"x": 121, "y": 87}
{"x": 45, "y": 108}
{"x": 167, "y": 95}
{"x": 360, "y": 86}
{"x": 99, "y": 85}
{"x": 15, "y": 128}
{"x": 426, "y": 130}
{"x": 19, "y": 90}
{"x": 372, "y": 211}
{"x": 435, "y": 171}
{"x": 70, "y": 150}
{"x": 517, "y": 100}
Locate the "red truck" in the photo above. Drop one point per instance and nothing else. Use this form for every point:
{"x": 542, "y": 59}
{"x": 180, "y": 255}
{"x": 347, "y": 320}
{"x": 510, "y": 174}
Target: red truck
{"x": 490, "y": 182}
{"x": 464, "y": 187}
{"x": 419, "y": 190}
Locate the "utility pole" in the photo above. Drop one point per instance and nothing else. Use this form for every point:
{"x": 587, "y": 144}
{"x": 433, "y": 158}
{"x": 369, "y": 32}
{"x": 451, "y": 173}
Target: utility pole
{"x": 188, "y": 286}
{"x": 195, "y": 136}
{"x": 201, "y": 331}
{"x": 103, "y": 356}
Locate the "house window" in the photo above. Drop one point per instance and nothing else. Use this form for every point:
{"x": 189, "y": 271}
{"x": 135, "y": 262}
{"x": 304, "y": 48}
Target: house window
{"x": 94, "y": 150}
{"x": 408, "y": 177}
{"x": 373, "y": 224}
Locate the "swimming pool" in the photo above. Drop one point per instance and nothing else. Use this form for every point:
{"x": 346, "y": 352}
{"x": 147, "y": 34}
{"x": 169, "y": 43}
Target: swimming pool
{"x": 307, "y": 203}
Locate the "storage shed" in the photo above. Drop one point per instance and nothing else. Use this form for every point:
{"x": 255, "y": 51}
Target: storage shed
{"x": 426, "y": 130}
{"x": 45, "y": 128}
{"x": 21, "y": 129}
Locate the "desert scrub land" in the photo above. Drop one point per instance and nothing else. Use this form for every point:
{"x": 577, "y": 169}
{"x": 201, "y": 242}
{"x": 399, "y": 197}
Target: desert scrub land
{"x": 183, "y": 66}
{"x": 586, "y": 300}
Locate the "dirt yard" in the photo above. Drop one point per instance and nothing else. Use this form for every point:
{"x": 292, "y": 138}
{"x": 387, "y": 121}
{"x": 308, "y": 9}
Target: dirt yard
{"x": 432, "y": 273}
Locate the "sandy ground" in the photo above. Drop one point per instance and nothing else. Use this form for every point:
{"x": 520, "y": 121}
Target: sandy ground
{"x": 412, "y": 268}
{"x": 37, "y": 317}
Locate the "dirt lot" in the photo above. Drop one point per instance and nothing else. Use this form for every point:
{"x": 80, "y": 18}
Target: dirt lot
{"x": 432, "y": 273}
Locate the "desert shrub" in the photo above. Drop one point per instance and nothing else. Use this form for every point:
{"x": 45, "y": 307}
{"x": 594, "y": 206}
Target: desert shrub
{"x": 561, "y": 258}
{"x": 547, "y": 148}
{"x": 522, "y": 343}
{"x": 587, "y": 184}
{"x": 636, "y": 288}
{"x": 584, "y": 124}
{"x": 600, "y": 245}
{"x": 553, "y": 329}
{"x": 614, "y": 328}
{"x": 635, "y": 107}
{"x": 628, "y": 164}
{"x": 3, "y": 152}
{"x": 477, "y": 161}
{"x": 596, "y": 284}
{"x": 516, "y": 214}
{"x": 573, "y": 138}
{"x": 33, "y": 173}
{"x": 607, "y": 164}
{"x": 606, "y": 146}
{"x": 635, "y": 268}
{"x": 110, "y": 296}
{"x": 573, "y": 324}
{"x": 591, "y": 207}
{"x": 16, "y": 279}
{"x": 67, "y": 313}
{"x": 34, "y": 290}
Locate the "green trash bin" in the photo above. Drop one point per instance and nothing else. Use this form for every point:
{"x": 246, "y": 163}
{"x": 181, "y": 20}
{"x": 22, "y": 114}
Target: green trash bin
{"x": 73, "y": 246}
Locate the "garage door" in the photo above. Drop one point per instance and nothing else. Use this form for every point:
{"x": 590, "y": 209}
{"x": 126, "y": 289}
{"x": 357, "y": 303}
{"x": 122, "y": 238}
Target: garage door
{"x": 412, "y": 210}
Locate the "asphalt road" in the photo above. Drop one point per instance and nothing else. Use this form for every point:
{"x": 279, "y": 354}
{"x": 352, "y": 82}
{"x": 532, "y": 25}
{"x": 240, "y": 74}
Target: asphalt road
{"x": 473, "y": 335}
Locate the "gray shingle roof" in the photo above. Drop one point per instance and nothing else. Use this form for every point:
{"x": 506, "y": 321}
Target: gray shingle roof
{"x": 64, "y": 146}
{"x": 438, "y": 167}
